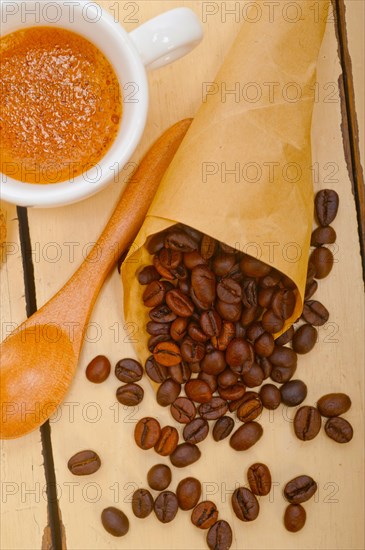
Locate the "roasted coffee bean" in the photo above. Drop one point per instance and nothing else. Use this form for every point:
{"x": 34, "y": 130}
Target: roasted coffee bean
{"x": 246, "y": 436}
{"x": 84, "y": 463}
{"x": 293, "y": 393}
{"x": 162, "y": 314}
{"x": 98, "y": 369}
{"x": 307, "y": 423}
{"x": 310, "y": 289}
{"x": 286, "y": 337}
{"x": 184, "y": 455}
{"x": 179, "y": 303}
{"x": 220, "y": 536}
{"x": 179, "y": 328}
{"x": 253, "y": 377}
{"x": 196, "y": 430}
{"x": 271, "y": 280}
{"x": 192, "y": 259}
{"x": 130, "y": 395}
{"x": 283, "y": 303}
{"x": 245, "y": 505}
{"x": 222, "y": 428}
{"x": 147, "y": 432}
{"x": 154, "y": 340}
{"x": 323, "y": 235}
{"x": 287, "y": 283}
{"x": 250, "y": 314}
{"x": 264, "y": 345}
{"x": 196, "y": 333}
{"x": 232, "y": 393}
{"x": 192, "y": 351}
{"x": 270, "y": 396}
{"x": 210, "y": 379}
{"x": 249, "y": 293}
{"x": 208, "y": 247}
{"x": 254, "y": 331}
{"x": 315, "y": 313}
{"x": 167, "y": 354}
{"x": 181, "y": 241}
{"x": 194, "y": 233}
{"x": 227, "y": 378}
{"x": 322, "y": 259}
{"x": 166, "y": 506}
{"x": 154, "y": 294}
{"x": 180, "y": 373}
{"x": 168, "y": 392}
{"x": 250, "y": 408}
{"x": 183, "y": 410}
{"x": 300, "y": 489}
{"x": 271, "y": 322}
{"x": 265, "y": 365}
{"x": 148, "y": 274}
{"x": 210, "y": 323}
{"x": 188, "y": 493}
{"x": 167, "y": 442}
{"x": 265, "y": 296}
{"x": 227, "y": 333}
{"x": 259, "y": 479}
{"x": 142, "y": 503}
{"x": 222, "y": 264}
{"x": 254, "y": 268}
{"x": 159, "y": 477}
{"x": 240, "y": 355}
{"x": 156, "y": 372}
{"x": 155, "y": 243}
{"x": 214, "y": 362}
{"x": 339, "y": 429}
{"x": 326, "y": 203}
{"x": 229, "y": 291}
{"x": 195, "y": 367}
{"x": 227, "y": 249}
{"x": 204, "y": 515}
{"x": 294, "y": 517}
{"x": 203, "y": 286}
{"x": 156, "y": 329}
{"x": 115, "y": 521}
{"x": 213, "y": 409}
{"x": 169, "y": 258}
{"x": 163, "y": 271}
{"x": 333, "y": 404}
{"x": 229, "y": 312}
{"x": 283, "y": 357}
{"x": 304, "y": 339}
{"x": 198, "y": 391}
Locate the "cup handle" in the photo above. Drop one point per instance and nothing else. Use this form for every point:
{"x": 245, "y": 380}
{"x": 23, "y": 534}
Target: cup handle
{"x": 167, "y": 37}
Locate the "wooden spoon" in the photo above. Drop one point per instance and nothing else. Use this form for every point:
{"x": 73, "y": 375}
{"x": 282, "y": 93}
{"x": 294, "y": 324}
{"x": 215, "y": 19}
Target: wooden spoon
{"x": 39, "y": 359}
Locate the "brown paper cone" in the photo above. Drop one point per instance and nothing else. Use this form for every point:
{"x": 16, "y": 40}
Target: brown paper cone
{"x": 243, "y": 172}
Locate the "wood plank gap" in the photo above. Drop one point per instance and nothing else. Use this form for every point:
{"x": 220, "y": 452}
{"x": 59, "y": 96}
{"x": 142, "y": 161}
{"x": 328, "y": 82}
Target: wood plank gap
{"x": 356, "y": 172}
{"x": 45, "y": 430}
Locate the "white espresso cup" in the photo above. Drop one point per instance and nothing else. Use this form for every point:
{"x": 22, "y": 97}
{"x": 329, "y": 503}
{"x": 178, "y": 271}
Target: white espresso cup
{"x": 154, "y": 44}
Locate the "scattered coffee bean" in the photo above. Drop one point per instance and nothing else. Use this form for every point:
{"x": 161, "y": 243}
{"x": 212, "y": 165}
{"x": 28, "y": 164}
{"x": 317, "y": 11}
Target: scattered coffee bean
{"x": 304, "y": 339}
{"x": 183, "y": 410}
{"x": 220, "y": 536}
{"x": 259, "y": 479}
{"x": 339, "y": 429}
{"x": 168, "y": 392}
{"x": 142, "y": 503}
{"x": 196, "y": 431}
{"x": 300, "y": 489}
{"x": 128, "y": 370}
{"x": 307, "y": 423}
{"x": 245, "y": 504}
{"x": 323, "y": 235}
{"x": 184, "y": 455}
{"x": 213, "y": 409}
{"x": 167, "y": 354}
{"x": 156, "y": 372}
{"x": 188, "y": 493}
{"x": 326, "y": 204}
{"x": 270, "y": 396}
{"x": 167, "y": 441}
{"x": 293, "y": 393}
{"x": 286, "y": 337}
{"x": 115, "y": 521}
{"x": 130, "y": 395}
{"x": 84, "y": 463}
{"x": 159, "y": 477}
{"x": 198, "y": 391}
{"x": 147, "y": 432}
{"x": 246, "y": 436}
{"x": 250, "y": 407}
{"x": 166, "y": 506}
{"x": 204, "y": 515}
{"x": 98, "y": 369}
{"x": 322, "y": 259}
{"x": 333, "y": 404}
{"x": 223, "y": 428}
{"x": 294, "y": 517}
{"x": 315, "y": 313}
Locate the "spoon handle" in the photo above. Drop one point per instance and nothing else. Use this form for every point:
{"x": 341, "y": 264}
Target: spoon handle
{"x": 81, "y": 291}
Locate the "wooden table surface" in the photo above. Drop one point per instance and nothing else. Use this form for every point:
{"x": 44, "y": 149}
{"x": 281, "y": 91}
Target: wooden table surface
{"x": 34, "y": 469}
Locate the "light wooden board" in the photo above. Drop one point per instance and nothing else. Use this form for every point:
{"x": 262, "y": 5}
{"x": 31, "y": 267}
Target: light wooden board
{"x": 23, "y": 489}
{"x": 90, "y": 417}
